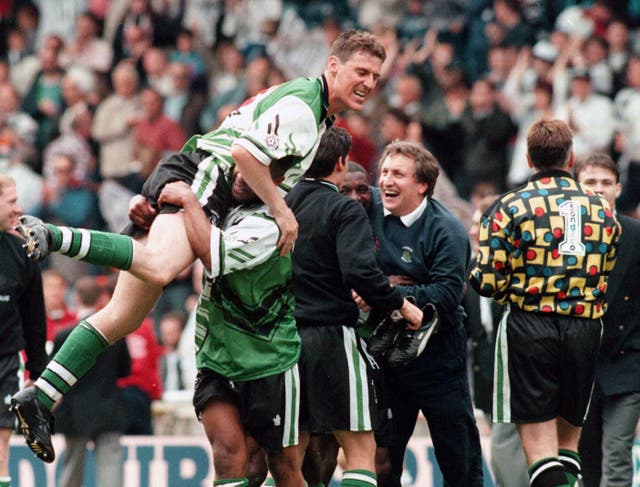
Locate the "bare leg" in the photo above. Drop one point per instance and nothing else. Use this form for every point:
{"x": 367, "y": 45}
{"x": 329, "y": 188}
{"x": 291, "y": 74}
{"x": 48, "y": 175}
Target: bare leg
{"x": 5, "y": 434}
{"x": 224, "y": 430}
{"x": 539, "y": 440}
{"x": 568, "y": 435}
{"x": 359, "y": 449}
{"x": 285, "y": 467}
{"x": 256, "y": 463}
{"x": 158, "y": 258}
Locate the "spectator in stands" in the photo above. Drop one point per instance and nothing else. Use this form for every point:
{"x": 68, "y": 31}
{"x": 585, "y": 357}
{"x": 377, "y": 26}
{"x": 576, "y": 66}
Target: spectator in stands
{"x": 113, "y": 123}
{"x": 155, "y": 63}
{"x": 589, "y": 115}
{"x": 95, "y": 411}
{"x": 77, "y": 144}
{"x": 65, "y": 199}
{"x": 185, "y": 52}
{"x": 187, "y": 99}
{"x": 156, "y": 135}
{"x": 144, "y": 384}
{"x": 486, "y": 132}
{"x": 23, "y": 125}
{"x": 86, "y": 48}
{"x": 43, "y": 101}
{"x": 77, "y": 85}
{"x": 627, "y": 138}
{"x": 171, "y": 327}
{"x": 15, "y": 162}
{"x": 59, "y": 316}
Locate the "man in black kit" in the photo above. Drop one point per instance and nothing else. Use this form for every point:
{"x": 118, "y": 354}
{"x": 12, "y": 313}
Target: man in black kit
{"x": 333, "y": 256}
{"x": 22, "y": 315}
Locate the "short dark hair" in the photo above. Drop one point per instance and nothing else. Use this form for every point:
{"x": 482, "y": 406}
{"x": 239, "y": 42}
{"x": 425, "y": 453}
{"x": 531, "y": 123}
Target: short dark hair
{"x": 549, "y": 143}
{"x": 334, "y": 144}
{"x": 597, "y": 159}
{"x": 353, "y": 166}
{"x": 427, "y": 167}
{"x": 351, "y": 41}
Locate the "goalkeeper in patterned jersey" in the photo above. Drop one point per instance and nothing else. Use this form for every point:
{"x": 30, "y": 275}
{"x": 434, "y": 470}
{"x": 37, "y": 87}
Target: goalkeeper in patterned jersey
{"x": 284, "y": 122}
{"x": 546, "y": 250}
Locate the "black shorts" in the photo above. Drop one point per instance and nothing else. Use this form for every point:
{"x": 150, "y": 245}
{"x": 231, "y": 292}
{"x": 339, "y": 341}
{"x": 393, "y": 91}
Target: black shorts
{"x": 9, "y": 385}
{"x": 269, "y": 407}
{"x": 336, "y": 394}
{"x": 183, "y": 166}
{"x": 544, "y": 367}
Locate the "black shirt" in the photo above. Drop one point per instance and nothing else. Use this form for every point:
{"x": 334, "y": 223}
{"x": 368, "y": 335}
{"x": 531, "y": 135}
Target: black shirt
{"x": 22, "y": 315}
{"x": 334, "y": 254}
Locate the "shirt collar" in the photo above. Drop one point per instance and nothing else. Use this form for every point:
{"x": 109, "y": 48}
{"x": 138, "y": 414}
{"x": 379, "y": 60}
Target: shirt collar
{"x": 410, "y": 218}
{"x": 323, "y": 182}
{"x": 550, "y": 173}
{"x": 324, "y": 86}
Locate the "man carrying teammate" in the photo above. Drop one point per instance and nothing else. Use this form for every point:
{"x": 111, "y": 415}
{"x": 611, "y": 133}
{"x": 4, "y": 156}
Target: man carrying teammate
{"x": 285, "y": 121}
{"x": 246, "y": 338}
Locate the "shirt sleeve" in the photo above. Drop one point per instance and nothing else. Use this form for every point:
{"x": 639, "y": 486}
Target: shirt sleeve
{"x": 491, "y": 275}
{"x": 34, "y": 323}
{"x": 287, "y": 128}
{"x": 244, "y": 245}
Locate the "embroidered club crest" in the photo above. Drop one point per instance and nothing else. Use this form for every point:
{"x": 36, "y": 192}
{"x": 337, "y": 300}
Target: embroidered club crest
{"x": 271, "y": 141}
{"x": 407, "y": 255}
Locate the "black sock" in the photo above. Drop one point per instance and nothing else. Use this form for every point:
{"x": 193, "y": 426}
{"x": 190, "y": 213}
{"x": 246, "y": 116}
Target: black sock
{"x": 572, "y": 464}
{"x": 548, "y": 472}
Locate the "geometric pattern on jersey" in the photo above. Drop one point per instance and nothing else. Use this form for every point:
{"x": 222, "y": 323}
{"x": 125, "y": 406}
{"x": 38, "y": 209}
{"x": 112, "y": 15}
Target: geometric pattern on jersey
{"x": 548, "y": 247}
{"x": 284, "y": 121}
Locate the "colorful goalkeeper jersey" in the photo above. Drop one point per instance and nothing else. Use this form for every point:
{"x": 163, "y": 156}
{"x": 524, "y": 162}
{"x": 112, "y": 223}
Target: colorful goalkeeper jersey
{"x": 548, "y": 247}
{"x": 286, "y": 120}
{"x": 245, "y": 328}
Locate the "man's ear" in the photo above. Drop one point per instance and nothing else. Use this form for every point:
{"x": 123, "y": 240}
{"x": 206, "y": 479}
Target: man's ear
{"x": 571, "y": 160}
{"x": 332, "y": 65}
{"x": 529, "y": 163}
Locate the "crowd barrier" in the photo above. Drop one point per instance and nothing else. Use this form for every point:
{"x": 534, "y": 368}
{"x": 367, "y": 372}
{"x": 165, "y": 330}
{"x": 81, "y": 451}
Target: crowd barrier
{"x": 185, "y": 461}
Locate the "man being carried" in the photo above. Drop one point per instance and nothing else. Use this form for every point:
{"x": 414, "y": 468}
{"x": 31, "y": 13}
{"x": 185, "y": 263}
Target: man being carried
{"x": 285, "y": 121}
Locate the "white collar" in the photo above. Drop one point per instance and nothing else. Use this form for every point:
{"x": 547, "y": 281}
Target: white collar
{"x": 410, "y": 218}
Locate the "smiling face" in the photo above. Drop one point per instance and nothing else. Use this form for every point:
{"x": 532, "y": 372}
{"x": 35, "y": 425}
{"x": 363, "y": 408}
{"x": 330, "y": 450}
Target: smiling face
{"x": 401, "y": 192}
{"x": 355, "y": 185}
{"x": 351, "y": 81}
{"x": 9, "y": 208}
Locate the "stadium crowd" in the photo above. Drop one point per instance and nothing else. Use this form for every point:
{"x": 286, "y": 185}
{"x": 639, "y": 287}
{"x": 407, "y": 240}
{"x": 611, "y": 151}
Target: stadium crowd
{"x": 94, "y": 93}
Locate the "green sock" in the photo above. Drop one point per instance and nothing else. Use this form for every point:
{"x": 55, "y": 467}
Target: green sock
{"x": 572, "y": 464}
{"x": 358, "y": 478}
{"x": 74, "y": 359}
{"x": 244, "y": 482}
{"x": 99, "y": 248}
{"x": 5, "y": 481}
{"x": 269, "y": 482}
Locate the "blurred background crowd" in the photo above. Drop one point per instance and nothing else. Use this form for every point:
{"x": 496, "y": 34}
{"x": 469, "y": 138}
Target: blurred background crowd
{"x": 93, "y": 93}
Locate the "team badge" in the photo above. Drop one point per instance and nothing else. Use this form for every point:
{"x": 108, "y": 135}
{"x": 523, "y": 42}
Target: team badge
{"x": 407, "y": 255}
{"x": 271, "y": 141}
